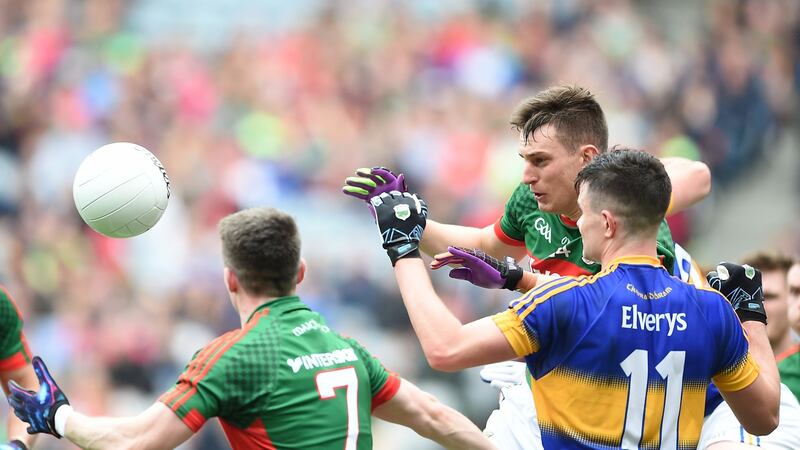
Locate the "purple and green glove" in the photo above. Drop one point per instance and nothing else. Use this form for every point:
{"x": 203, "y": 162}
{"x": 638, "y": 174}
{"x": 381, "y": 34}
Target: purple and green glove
{"x": 369, "y": 183}
{"x": 481, "y": 269}
{"x": 38, "y": 409}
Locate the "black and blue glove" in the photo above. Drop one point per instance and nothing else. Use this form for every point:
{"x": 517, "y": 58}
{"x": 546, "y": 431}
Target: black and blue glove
{"x": 16, "y": 444}
{"x": 741, "y": 285}
{"x": 38, "y": 409}
{"x": 401, "y": 221}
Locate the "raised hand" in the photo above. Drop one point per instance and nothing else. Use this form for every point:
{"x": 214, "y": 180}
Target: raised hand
{"x": 401, "y": 221}
{"x": 479, "y": 268}
{"x": 38, "y": 409}
{"x": 741, "y": 285}
{"x": 372, "y": 182}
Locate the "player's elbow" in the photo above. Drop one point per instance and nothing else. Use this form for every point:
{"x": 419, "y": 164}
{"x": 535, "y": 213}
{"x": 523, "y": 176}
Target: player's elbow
{"x": 764, "y": 424}
{"x": 701, "y": 175}
{"x": 444, "y": 360}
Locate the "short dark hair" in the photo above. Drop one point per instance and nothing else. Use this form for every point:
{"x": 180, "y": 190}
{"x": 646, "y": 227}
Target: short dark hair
{"x": 262, "y": 247}
{"x": 573, "y": 112}
{"x": 632, "y": 184}
{"x": 769, "y": 261}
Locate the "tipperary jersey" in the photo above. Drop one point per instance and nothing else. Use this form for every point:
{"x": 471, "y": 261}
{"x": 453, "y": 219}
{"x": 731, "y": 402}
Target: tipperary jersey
{"x": 554, "y": 244}
{"x": 14, "y": 351}
{"x": 623, "y": 358}
{"x": 284, "y": 381}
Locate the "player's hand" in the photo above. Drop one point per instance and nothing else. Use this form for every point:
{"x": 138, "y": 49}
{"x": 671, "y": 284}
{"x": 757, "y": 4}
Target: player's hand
{"x": 504, "y": 374}
{"x": 369, "y": 183}
{"x": 741, "y": 285}
{"x": 401, "y": 221}
{"x": 16, "y": 444}
{"x": 38, "y": 409}
{"x": 479, "y": 268}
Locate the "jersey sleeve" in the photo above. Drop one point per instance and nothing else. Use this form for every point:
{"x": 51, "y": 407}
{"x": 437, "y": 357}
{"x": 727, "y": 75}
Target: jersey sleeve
{"x": 735, "y": 369}
{"x": 383, "y": 384}
{"x": 14, "y": 351}
{"x": 509, "y": 228}
{"x": 532, "y": 321}
{"x": 199, "y": 392}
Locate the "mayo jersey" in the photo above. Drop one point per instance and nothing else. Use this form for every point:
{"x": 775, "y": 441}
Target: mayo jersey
{"x": 623, "y": 358}
{"x": 554, "y": 244}
{"x": 14, "y": 351}
{"x": 284, "y": 381}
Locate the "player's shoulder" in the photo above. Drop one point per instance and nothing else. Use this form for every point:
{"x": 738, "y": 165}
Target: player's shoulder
{"x": 522, "y": 197}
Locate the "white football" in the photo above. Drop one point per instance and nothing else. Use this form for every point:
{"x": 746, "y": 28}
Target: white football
{"x": 121, "y": 190}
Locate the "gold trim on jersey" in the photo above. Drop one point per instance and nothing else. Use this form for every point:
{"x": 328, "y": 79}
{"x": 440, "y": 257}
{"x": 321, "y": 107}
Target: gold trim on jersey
{"x": 515, "y": 332}
{"x": 739, "y": 376}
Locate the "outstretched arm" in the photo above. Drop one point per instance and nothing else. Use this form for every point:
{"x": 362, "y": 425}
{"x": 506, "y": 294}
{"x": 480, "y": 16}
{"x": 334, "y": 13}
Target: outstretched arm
{"x": 422, "y": 412}
{"x": 691, "y": 182}
{"x": 156, "y": 428}
{"x": 439, "y": 236}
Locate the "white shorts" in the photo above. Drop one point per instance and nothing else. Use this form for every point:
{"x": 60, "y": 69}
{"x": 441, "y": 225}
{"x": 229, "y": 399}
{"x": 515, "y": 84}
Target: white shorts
{"x": 513, "y": 425}
{"x": 722, "y": 426}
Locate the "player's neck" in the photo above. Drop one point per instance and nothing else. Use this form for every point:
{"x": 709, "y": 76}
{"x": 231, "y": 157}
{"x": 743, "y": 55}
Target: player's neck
{"x": 246, "y": 305}
{"x": 629, "y": 247}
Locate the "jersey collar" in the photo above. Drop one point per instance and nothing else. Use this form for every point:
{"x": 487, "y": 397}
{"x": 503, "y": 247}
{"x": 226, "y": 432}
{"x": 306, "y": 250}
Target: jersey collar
{"x": 280, "y": 302}
{"x": 637, "y": 259}
{"x": 567, "y": 221}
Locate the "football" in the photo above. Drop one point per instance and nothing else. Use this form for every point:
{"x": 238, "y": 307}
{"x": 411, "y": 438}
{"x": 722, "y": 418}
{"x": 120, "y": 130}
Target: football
{"x": 121, "y": 190}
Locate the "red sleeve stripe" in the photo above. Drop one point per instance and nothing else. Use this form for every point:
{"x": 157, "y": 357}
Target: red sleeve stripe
{"x": 14, "y": 362}
{"x": 184, "y": 380}
{"x": 387, "y": 392}
{"x": 215, "y": 356}
{"x": 194, "y": 420}
{"x": 504, "y": 238}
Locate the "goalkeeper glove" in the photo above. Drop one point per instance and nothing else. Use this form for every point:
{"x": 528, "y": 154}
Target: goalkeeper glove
{"x": 38, "y": 409}
{"x": 504, "y": 374}
{"x": 373, "y": 182}
{"x": 16, "y": 444}
{"x": 481, "y": 269}
{"x": 741, "y": 285}
{"x": 401, "y": 221}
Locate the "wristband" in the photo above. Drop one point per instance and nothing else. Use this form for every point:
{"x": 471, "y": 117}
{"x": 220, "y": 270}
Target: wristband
{"x": 60, "y": 420}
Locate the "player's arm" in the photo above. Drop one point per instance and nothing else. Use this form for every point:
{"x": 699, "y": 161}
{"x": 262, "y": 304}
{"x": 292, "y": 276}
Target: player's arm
{"x": 48, "y": 411}
{"x": 757, "y": 405}
{"x": 691, "y": 182}
{"x": 155, "y": 428}
{"x": 423, "y": 413}
{"x": 24, "y": 376}
{"x": 372, "y": 182}
{"x": 439, "y": 236}
{"x": 751, "y": 390}
{"x": 448, "y": 344}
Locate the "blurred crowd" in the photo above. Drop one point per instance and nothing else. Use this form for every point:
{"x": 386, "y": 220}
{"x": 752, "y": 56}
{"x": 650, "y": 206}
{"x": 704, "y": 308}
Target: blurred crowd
{"x": 252, "y": 102}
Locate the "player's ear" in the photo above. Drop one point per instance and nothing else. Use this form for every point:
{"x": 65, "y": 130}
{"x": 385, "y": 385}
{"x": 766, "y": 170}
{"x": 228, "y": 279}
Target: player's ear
{"x": 231, "y": 280}
{"x": 610, "y": 223}
{"x": 301, "y": 271}
{"x": 588, "y": 152}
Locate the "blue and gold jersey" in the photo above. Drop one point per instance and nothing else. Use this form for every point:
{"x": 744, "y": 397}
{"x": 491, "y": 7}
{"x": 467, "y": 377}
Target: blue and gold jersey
{"x": 623, "y": 358}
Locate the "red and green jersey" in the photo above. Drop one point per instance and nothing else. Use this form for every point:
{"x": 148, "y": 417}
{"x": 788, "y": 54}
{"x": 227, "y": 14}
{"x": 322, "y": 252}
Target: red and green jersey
{"x": 554, "y": 244}
{"x": 789, "y": 369}
{"x": 284, "y": 381}
{"x": 14, "y": 351}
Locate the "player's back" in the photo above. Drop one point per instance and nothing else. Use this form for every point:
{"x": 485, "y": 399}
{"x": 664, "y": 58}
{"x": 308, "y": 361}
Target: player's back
{"x": 626, "y": 356}
{"x": 286, "y": 381}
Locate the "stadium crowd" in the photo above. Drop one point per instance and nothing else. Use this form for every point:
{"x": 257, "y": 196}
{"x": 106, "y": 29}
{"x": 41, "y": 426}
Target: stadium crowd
{"x": 257, "y": 103}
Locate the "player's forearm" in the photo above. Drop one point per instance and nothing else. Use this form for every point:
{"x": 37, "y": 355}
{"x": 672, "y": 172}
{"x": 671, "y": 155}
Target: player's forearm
{"x": 452, "y": 430}
{"x": 438, "y": 236}
{"x": 436, "y": 327}
{"x": 768, "y": 380}
{"x": 691, "y": 182}
{"x": 530, "y": 280}
{"x": 100, "y": 433}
